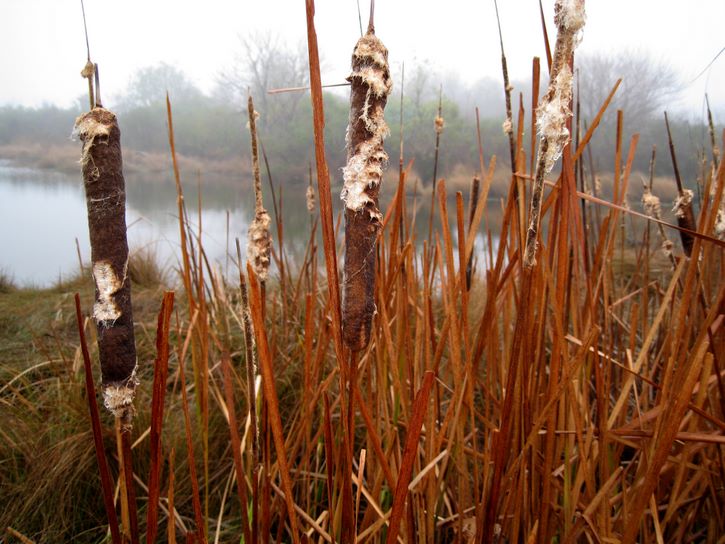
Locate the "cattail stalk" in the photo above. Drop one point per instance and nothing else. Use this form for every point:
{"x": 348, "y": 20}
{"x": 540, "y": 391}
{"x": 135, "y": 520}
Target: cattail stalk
{"x": 310, "y": 195}
{"x": 438, "y": 126}
{"x": 370, "y": 86}
{"x": 259, "y": 239}
{"x": 683, "y": 203}
{"x": 106, "y": 202}
{"x": 554, "y": 111}
{"x": 652, "y": 207}
{"x": 472, "y": 205}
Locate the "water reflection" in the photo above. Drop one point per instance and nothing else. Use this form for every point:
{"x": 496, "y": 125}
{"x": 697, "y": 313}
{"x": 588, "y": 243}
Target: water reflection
{"x": 43, "y": 212}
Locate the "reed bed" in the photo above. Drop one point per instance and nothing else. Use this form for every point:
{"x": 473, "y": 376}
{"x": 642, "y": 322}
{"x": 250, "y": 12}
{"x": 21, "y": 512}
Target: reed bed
{"x": 572, "y": 397}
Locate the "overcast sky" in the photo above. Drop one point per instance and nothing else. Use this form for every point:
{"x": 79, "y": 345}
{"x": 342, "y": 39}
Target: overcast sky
{"x": 43, "y": 48}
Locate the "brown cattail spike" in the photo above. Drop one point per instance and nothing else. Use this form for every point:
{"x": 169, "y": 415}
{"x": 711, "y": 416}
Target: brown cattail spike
{"x": 106, "y": 201}
{"x": 370, "y": 86}
{"x": 683, "y": 203}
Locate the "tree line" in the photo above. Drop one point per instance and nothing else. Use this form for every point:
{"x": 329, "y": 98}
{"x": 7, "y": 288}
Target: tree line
{"x": 212, "y": 126}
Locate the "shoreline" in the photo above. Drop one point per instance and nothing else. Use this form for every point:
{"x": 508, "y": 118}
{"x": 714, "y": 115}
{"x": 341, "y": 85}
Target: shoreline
{"x": 64, "y": 158}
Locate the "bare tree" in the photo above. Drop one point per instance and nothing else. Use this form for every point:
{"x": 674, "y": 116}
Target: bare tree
{"x": 265, "y": 62}
{"x": 647, "y": 84}
{"x": 149, "y": 85}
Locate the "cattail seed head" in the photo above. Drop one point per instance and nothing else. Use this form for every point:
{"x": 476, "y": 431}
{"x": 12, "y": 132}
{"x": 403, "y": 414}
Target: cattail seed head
{"x": 370, "y": 80}
{"x": 554, "y": 111}
{"x": 310, "y": 197}
{"x": 682, "y": 202}
{"x": 259, "y": 238}
{"x": 651, "y": 204}
{"x": 685, "y": 218}
{"x": 259, "y": 243}
{"x": 507, "y": 126}
{"x": 439, "y": 124}
{"x": 102, "y": 171}
{"x": 370, "y": 85}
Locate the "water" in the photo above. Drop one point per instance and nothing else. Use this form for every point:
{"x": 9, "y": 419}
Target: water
{"x": 42, "y": 213}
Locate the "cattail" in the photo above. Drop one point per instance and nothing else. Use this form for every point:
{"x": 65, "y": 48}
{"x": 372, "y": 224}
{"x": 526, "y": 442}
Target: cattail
{"x": 653, "y": 208}
{"x": 507, "y": 126}
{"x": 651, "y": 204}
{"x": 720, "y": 223}
{"x": 259, "y": 239}
{"x": 439, "y": 124}
{"x": 472, "y": 205}
{"x": 370, "y": 86}
{"x": 667, "y": 246}
{"x": 554, "y": 111}
{"x": 106, "y": 201}
{"x": 310, "y": 196}
{"x": 683, "y": 203}
{"x": 685, "y": 215}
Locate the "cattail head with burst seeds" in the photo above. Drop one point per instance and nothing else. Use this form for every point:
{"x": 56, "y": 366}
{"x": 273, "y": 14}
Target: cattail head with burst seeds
{"x": 104, "y": 184}
{"x": 370, "y": 85}
{"x": 259, "y": 243}
{"x": 439, "y": 124}
{"x": 367, "y": 129}
{"x": 259, "y": 238}
{"x": 554, "y": 111}
{"x": 682, "y": 202}
{"x": 720, "y": 222}
{"x": 651, "y": 204}
{"x": 310, "y": 198}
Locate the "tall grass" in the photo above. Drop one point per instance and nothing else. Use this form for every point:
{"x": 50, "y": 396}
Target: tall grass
{"x": 577, "y": 399}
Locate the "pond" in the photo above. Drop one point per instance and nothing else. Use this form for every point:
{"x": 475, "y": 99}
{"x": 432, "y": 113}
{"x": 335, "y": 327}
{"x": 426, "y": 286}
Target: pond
{"x": 43, "y": 213}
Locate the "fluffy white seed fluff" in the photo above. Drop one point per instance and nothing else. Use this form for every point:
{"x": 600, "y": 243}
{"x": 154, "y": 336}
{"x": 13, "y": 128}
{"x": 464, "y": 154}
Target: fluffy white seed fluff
{"x": 651, "y": 204}
{"x": 682, "y": 202}
{"x": 552, "y": 116}
{"x": 439, "y": 124}
{"x": 570, "y": 15}
{"x": 370, "y": 47}
{"x": 667, "y": 246}
{"x": 87, "y": 128}
{"x": 720, "y": 223}
{"x": 364, "y": 169}
{"x": 107, "y": 284}
{"x": 310, "y": 197}
{"x": 507, "y": 126}
{"x": 259, "y": 243}
{"x": 118, "y": 397}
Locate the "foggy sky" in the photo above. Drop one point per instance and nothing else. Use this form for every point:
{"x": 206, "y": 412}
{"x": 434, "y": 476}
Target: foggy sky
{"x": 44, "y": 47}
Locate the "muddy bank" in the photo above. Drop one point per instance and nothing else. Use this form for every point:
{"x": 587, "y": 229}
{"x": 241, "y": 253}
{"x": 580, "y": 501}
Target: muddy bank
{"x": 64, "y": 158}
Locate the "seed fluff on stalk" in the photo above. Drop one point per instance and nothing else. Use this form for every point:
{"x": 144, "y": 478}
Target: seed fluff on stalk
{"x": 370, "y": 84}
{"x": 259, "y": 239}
{"x": 554, "y": 111}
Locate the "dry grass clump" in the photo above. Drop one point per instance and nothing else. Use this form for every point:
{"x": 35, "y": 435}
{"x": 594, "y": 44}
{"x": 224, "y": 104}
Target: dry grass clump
{"x": 145, "y": 270}
{"x": 7, "y": 282}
